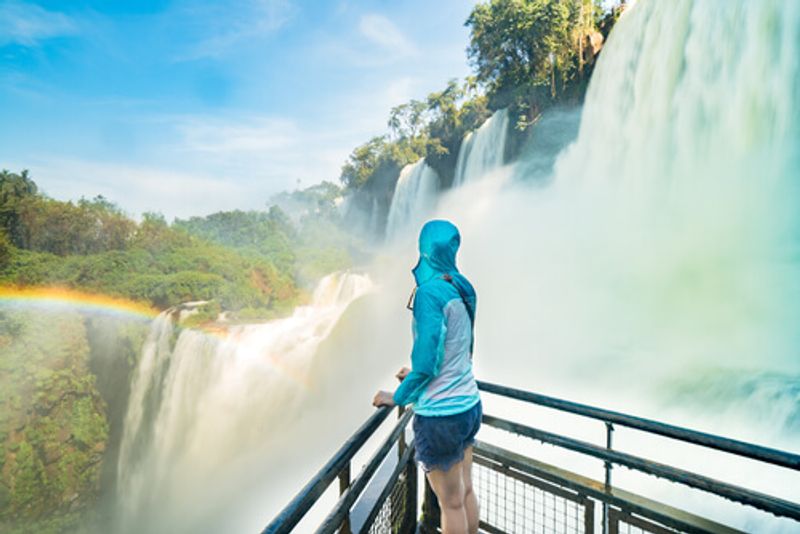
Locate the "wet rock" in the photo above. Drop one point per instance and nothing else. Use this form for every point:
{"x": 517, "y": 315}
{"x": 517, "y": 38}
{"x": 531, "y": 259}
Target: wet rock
{"x": 592, "y": 44}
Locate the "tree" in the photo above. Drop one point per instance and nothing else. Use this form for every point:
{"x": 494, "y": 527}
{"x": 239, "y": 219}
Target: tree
{"x": 14, "y": 189}
{"x": 316, "y": 200}
{"x": 154, "y": 234}
{"x": 528, "y": 53}
{"x": 445, "y": 102}
{"x": 407, "y": 120}
{"x": 16, "y": 186}
{"x": 363, "y": 162}
{"x": 6, "y": 249}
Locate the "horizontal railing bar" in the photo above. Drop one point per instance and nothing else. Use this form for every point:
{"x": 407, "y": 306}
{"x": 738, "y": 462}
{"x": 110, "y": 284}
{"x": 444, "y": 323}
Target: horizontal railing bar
{"x": 491, "y": 529}
{"x": 342, "y": 508}
{"x": 623, "y": 516}
{"x": 741, "y": 448}
{"x": 661, "y": 513}
{"x": 546, "y": 486}
{"x": 768, "y": 503}
{"x": 387, "y": 489}
{"x": 288, "y": 518}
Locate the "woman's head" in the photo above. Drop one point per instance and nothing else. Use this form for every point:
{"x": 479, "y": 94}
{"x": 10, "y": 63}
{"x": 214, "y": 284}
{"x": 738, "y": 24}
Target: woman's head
{"x": 438, "y": 245}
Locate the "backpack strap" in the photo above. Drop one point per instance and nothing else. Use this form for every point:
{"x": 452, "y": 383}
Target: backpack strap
{"x": 470, "y": 311}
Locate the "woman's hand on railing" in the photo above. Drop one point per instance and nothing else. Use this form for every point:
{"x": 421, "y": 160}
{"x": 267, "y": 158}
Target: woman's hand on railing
{"x": 383, "y": 398}
{"x": 402, "y": 373}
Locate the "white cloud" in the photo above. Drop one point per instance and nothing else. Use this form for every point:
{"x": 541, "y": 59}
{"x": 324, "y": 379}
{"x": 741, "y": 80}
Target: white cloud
{"x": 399, "y": 91}
{"x": 137, "y": 188}
{"x": 29, "y": 25}
{"x": 270, "y": 149}
{"x": 224, "y": 28}
{"x": 375, "y": 42}
{"x": 256, "y": 136}
{"x": 382, "y": 32}
{"x": 203, "y": 164}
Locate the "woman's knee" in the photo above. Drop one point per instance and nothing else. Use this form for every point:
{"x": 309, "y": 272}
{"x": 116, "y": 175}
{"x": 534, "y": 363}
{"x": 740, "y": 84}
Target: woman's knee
{"x": 453, "y": 500}
{"x": 451, "y": 489}
{"x": 468, "y": 490}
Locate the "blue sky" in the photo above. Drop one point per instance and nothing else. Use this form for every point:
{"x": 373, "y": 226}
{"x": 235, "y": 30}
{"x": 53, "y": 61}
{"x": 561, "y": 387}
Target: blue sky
{"x": 192, "y": 106}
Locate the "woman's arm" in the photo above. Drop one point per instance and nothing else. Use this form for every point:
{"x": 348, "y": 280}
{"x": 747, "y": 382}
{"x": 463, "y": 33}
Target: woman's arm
{"x": 384, "y": 398}
{"x": 426, "y": 356}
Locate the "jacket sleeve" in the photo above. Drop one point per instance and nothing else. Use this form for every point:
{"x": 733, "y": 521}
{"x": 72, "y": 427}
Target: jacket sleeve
{"x": 429, "y": 336}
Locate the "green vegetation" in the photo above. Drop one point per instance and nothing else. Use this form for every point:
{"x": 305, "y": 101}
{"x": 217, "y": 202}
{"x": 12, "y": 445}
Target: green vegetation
{"x": 265, "y": 234}
{"x": 301, "y": 234}
{"x": 530, "y": 54}
{"x": 53, "y": 426}
{"x": 251, "y": 261}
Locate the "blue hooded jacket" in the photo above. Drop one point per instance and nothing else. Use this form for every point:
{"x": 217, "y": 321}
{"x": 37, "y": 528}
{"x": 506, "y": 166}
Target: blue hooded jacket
{"x": 441, "y": 380}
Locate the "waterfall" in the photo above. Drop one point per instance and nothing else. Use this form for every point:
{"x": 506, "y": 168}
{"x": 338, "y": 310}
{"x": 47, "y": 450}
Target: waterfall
{"x": 201, "y": 411}
{"x": 482, "y": 150}
{"x": 684, "y": 184}
{"x": 669, "y": 234}
{"x": 374, "y": 224}
{"x": 414, "y": 198}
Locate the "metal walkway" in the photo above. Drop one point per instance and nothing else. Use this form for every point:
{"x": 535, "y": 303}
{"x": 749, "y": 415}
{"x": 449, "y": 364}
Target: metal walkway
{"x": 521, "y": 495}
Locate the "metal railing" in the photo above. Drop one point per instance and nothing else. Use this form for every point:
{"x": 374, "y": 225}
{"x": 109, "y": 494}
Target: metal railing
{"x": 519, "y": 494}
{"x": 616, "y": 504}
{"x": 349, "y": 491}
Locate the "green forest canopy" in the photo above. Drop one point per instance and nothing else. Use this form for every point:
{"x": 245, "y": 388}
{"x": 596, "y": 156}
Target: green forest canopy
{"x": 246, "y": 261}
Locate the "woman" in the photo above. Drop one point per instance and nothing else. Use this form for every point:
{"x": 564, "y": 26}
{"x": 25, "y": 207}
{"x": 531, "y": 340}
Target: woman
{"x": 440, "y": 384}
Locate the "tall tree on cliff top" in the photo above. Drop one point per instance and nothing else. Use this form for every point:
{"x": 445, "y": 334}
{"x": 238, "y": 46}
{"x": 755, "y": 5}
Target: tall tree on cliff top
{"x": 529, "y": 52}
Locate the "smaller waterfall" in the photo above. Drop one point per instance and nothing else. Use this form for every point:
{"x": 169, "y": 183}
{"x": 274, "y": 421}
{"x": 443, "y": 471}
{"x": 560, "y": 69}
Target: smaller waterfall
{"x": 414, "y": 198}
{"x": 200, "y": 410}
{"x": 482, "y": 150}
{"x": 373, "y": 226}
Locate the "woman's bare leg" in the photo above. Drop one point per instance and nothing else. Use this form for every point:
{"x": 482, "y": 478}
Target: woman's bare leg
{"x": 449, "y": 488}
{"x": 470, "y": 499}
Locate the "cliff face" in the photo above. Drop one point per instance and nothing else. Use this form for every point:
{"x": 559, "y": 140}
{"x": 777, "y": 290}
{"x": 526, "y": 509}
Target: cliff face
{"x": 53, "y": 424}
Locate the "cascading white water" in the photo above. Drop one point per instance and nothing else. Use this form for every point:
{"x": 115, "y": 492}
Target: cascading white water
{"x": 669, "y": 235}
{"x": 374, "y": 217}
{"x": 204, "y": 413}
{"x": 482, "y": 150}
{"x": 414, "y": 198}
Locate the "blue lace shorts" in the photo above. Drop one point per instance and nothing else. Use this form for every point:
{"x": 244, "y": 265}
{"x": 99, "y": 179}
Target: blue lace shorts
{"x": 441, "y": 441}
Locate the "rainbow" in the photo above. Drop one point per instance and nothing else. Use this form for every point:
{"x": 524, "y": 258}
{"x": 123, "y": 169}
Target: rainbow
{"x": 64, "y": 299}
{"x": 60, "y": 298}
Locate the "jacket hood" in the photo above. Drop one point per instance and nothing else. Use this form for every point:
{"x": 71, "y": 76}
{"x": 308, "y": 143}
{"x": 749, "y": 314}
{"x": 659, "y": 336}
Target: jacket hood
{"x": 438, "y": 244}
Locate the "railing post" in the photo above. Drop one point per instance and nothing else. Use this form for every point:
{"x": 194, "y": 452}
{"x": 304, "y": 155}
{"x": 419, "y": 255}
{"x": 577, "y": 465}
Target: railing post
{"x": 411, "y": 495}
{"x": 401, "y": 442}
{"x": 588, "y": 516}
{"x": 431, "y": 513}
{"x": 344, "y": 484}
{"x": 408, "y": 519}
{"x": 608, "y": 467}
